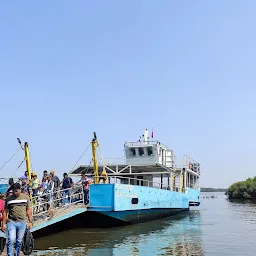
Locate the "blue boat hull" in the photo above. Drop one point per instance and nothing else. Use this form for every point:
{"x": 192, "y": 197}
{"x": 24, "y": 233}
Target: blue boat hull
{"x": 131, "y": 204}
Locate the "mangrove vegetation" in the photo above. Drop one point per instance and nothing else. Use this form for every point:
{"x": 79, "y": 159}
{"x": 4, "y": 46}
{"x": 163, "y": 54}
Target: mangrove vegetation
{"x": 243, "y": 189}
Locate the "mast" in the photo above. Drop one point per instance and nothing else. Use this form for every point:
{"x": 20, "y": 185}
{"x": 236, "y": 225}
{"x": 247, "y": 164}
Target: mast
{"x": 27, "y": 157}
{"x": 94, "y": 157}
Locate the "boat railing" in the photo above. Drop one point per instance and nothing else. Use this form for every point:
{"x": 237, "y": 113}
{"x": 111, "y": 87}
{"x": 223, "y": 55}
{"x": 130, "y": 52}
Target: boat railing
{"x": 191, "y": 164}
{"x": 178, "y": 166}
{"x": 141, "y": 182}
{"x": 57, "y": 200}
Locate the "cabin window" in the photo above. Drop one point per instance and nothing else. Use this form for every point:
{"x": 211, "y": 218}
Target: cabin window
{"x": 132, "y": 152}
{"x": 149, "y": 151}
{"x": 141, "y": 151}
{"x": 135, "y": 200}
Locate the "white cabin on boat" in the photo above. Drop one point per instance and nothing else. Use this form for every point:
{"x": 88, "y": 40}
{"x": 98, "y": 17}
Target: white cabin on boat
{"x": 151, "y": 164}
{"x": 148, "y": 153}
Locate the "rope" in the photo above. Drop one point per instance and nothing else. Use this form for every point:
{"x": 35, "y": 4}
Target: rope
{"x": 86, "y": 168}
{"x": 18, "y": 168}
{"x": 9, "y": 159}
{"x": 80, "y": 158}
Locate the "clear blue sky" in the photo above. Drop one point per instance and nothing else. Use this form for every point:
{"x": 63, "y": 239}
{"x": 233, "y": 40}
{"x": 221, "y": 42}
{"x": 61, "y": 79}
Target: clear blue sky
{"x": 68, "y": 68}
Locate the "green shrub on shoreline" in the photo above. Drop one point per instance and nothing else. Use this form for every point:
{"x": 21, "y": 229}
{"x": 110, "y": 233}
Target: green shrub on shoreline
{"x": 243, "y": 189}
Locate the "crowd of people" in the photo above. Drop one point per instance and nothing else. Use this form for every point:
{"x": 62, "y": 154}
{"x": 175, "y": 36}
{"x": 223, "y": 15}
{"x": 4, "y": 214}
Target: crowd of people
{"x": 51, "y": 185}
{"x": 15, "y": 204}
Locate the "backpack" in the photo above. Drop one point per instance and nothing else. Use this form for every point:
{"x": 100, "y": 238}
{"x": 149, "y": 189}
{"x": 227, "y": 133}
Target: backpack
{"x": 27, "y": 243}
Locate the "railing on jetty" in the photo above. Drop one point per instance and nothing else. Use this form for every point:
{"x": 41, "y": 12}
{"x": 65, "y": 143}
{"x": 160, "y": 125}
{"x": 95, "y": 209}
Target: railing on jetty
{"x": 56, "y": 204}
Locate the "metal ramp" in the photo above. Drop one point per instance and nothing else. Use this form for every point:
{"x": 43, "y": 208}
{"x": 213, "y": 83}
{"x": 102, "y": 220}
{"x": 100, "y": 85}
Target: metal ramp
{"x": 60, "y": 214}
{"x": 52, "y": 208}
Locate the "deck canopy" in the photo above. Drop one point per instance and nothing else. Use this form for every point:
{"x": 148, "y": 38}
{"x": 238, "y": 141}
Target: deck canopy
{"x": 124, "y": 169}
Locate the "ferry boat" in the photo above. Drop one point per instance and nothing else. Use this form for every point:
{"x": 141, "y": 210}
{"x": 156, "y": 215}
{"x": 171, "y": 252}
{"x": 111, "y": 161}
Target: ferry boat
{"x": 147, "y": 185}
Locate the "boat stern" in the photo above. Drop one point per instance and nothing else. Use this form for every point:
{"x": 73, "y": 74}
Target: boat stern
{"x": 194, "y": 196}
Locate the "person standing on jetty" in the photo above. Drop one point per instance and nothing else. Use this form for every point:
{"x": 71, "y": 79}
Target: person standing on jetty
{"x": 67, "y": 184}
{"x": 16, "y": 212}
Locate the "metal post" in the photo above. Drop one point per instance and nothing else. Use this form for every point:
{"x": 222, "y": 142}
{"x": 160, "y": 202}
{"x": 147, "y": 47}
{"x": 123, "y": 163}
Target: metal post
{"x": 27, "y": 157}
{"x": 95, "y": 162}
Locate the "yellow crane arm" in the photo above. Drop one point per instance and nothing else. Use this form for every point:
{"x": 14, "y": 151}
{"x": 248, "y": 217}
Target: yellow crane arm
{"x": 94, "y": 157}
{"x": 27, "y": 158}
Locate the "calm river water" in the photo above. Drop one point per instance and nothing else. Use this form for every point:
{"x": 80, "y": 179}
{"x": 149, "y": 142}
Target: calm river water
{"x": 217, "y": 227}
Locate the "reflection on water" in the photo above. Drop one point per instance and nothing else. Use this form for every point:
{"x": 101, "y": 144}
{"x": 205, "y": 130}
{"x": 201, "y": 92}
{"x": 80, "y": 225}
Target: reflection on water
{"x": 178, "y": 235}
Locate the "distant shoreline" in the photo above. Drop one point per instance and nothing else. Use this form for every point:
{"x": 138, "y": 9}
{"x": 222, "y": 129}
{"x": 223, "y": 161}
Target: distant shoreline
{"x": 213, "y": 189}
